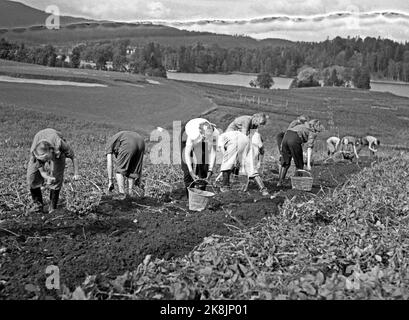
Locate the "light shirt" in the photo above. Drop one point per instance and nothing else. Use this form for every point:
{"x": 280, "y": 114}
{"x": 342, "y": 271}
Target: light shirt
{"x": 369, "y": 141}
{"x": 306, "y": 134}
{"x": 194, "y": 138}
{"x": 242, "y": 124}
{"x": 334, "y": 140}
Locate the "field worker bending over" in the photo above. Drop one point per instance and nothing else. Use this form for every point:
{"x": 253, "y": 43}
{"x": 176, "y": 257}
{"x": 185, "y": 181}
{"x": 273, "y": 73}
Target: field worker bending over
{"x": 300, "y": 120}
{"x": 199, "y": 156}
{"x": 371, "y": 142}
{"x": 332, "y": 145}
{"x": 348, "y": 147}
{"x": 128, "y": 147}
{"x": 47, "y": 164}
{"x": 245, "y": 124}
{"x": 291, "y": 147}
{"x": 234, "y": 146}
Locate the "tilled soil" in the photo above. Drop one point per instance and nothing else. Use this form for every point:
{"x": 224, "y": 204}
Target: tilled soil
{"x": 118, "y": 235}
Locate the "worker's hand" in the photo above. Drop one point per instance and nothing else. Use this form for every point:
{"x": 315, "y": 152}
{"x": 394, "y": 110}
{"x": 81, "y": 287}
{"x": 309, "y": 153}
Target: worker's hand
{"x": 194, "y": 177}
{"x": 309, "y": 167}
{"x": 50, "y": 180}
{"x": 209, "y": 175}
{"x": 76, "y": 177}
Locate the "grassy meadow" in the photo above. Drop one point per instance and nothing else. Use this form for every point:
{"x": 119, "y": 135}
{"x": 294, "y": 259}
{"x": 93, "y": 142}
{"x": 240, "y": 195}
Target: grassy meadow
{"x": 130, "y": 101}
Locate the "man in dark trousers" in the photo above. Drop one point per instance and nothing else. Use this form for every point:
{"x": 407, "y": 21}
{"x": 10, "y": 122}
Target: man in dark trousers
{"x": 291, "y": 146}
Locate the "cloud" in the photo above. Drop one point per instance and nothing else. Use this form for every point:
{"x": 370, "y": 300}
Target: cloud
{"x": 394, "y": 25}
{"x": 295, "y": 19}
{"x": 158, "y": 10}
{"x": 214, "y": 9}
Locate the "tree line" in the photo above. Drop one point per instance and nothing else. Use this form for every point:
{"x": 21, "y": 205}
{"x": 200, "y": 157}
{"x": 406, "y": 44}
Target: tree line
{"x": 337, "y": 60}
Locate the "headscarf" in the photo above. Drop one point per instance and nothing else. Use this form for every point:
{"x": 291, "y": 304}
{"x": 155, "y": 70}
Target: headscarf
{"x": 302, "y": 119}
{"x": 316, "y": 125}
{"x": 259, "y": 119}
{"x": 206, "y": 130}
{"x": 42, "y": 150}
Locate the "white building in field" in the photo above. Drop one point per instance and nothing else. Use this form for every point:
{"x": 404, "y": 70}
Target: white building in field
{"x": 84, "y": 64}
{"x": 109, "y": 65}
{"x": 130, "y": 50}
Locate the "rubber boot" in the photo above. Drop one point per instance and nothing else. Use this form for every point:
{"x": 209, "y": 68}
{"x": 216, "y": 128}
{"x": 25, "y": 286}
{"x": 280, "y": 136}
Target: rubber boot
{"x": 261, "y": 186}
{"x": 38, "y": 203}
{"x": 226, "y": 181}
{"x": 282, "y": 174}
{"x": 54, "y": 196}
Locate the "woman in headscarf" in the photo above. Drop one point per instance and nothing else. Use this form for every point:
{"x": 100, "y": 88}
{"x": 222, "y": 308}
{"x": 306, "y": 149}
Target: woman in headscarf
{"x": 292, "y": 146}
{"x": 47, "y": 165}
{"x": 199, "y": 156}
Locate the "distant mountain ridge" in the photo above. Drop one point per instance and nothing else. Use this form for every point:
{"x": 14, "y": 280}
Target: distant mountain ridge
{"x": 15, "y": 14}
{"x": 19, "y": 22}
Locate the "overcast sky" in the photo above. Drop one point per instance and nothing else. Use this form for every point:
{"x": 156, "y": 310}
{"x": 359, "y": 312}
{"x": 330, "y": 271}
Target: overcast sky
{"x": 243, "y": 16}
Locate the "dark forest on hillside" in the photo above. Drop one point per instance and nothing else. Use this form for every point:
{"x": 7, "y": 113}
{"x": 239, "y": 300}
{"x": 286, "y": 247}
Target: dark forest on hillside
{"x": 385, "y": 59}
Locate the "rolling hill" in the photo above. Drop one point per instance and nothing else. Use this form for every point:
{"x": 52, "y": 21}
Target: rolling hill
{"x": 16, "y": 14}
{"x": 22, "y": 23}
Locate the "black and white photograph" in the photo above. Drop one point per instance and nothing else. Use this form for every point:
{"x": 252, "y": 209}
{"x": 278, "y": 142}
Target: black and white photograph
{"x": 212, "y": 151}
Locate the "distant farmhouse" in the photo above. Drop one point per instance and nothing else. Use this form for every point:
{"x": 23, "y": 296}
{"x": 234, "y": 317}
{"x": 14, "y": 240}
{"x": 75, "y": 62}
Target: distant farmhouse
{"x": 109, "y": 66}
{"x": 90, "y": 64}
{"x": 87, "y": 64}
{"x": 64, "y": 57}
{"x": 130, "y": 50}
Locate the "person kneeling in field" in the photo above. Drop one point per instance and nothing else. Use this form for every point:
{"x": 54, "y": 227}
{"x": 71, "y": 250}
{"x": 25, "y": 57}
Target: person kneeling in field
{"x": 348, "y": 147}
{"x": 371, "y": 142}
{"x": 235, "y": 146}
{"x": 47, "y": 164}
{"x": 128, "y": 147}
{"x": 199, "y": 156}
{"x": 332, "y": 145}
{"x": 291, "y": 147}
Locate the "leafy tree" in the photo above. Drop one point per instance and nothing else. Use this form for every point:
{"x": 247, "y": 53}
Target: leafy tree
{"x": 264, "y": 80}
{"x": 308, "y": 77}
{"x": 76, "y": 57}
{"x": 383, "y": 57}
{"x": 335, "y": 76}
{"x": 362, "y": 78}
